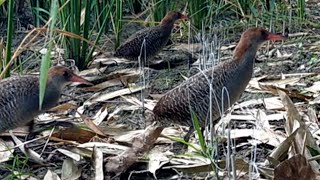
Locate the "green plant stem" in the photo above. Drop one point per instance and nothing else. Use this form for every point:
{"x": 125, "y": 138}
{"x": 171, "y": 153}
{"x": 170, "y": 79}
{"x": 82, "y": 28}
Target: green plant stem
{"x": 9, "y": 35}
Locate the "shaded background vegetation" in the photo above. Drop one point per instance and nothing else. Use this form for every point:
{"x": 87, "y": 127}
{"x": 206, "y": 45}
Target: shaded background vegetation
{"x": 80, "y": 24}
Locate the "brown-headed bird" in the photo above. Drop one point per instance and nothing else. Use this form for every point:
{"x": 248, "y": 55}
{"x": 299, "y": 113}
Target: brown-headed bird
{"x": 148, "y": 42}
{"x": 228, "y": 79}
{"x": 19, "y": 96}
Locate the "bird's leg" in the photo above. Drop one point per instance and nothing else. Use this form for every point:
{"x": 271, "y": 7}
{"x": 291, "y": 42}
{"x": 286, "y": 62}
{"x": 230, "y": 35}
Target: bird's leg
{"x": 186, "y": 138}
{"x": 179, "y": 147}
{"x": 31, "y": 134}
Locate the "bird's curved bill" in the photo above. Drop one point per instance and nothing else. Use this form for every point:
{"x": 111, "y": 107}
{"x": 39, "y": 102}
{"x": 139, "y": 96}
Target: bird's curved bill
{"x": 79, "y": 79}
{"x": 276, "y": 37}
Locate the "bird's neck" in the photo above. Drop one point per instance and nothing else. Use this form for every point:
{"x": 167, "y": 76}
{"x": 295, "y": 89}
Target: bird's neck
{"x": 166, "y": 28}
{"x": 51, "y": 97}
{"x": 245, "y": 53}
{"x": 167, "y": 23}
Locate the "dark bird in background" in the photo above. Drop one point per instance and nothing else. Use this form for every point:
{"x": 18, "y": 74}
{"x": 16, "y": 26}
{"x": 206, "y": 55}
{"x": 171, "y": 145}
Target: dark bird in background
{"x": 231, "y": 76}
{"x": 148, "y": 42}
{"x": 19, "y": 96}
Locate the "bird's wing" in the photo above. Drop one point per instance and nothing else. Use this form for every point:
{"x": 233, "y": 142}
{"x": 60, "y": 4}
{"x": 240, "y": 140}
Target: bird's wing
{"x": 132, "y": 46}
{"x": 16, "y": 93}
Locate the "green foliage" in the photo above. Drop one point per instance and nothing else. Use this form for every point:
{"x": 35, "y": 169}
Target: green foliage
{"x": 159, "y": 8}
{"x": 45, "y": 63}
{"x": 18, "y": 168}
{"x": 80, "y": 25}
{"x": 206, "y": 150}
{"x": 302, "y": 9}
{"x": 2, "y": 1}
{"x": 10, "y": 32}
{"x": 199, "y": 11}
{"x": 117, "y": 21}
{"x": 40, "y": 10}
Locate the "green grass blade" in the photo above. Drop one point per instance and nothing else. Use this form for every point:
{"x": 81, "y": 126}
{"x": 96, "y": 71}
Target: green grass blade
{"x": 101, "y": 30}
{"x": 197, "y": 127}
{"x": 86, "y": 24}
{"x": 45, "y": 63}
{"x": 2, "y": 1}
{"x": 9, "y": 35}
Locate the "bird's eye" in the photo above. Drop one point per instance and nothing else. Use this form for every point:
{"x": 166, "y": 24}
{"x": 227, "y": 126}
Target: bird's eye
{"x": 264, "y": 33}
{"x": 65, "y": 74}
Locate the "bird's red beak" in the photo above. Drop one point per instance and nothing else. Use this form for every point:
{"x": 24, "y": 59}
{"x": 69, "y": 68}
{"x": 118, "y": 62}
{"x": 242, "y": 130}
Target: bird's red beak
{"x": 79, "y": 79}
{"x": 276, "y": 37}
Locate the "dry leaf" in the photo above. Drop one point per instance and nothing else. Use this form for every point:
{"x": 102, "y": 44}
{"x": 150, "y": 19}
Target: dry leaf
{"x": 295, "y": 168}
{"x": 51, "y": 176}
{"x": 107, "y": 148}
{"x": 93, "y": 126}
{"x": 74, "y": 134}
{"x": 70, "y": 171}
{"x": 28, "y": 152}
{"x": 6, "y": 150}
{"x": 70, "y": 154}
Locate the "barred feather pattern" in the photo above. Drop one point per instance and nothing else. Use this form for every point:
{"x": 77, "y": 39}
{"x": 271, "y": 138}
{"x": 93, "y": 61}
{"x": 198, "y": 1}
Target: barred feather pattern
{"x": 194, "y": 94}
{"x": 147, "y": 42}
{"x": 19, "y": 101}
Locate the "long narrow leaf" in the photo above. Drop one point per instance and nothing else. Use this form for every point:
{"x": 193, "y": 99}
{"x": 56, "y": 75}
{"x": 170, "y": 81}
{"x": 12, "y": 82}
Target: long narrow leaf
{"x": 197, "y": 127}
{"x": 100, "y": 32}
{"x": 2, "y": 1}
{"x": 45, "y": 63}
{"x": 9, "y": 35}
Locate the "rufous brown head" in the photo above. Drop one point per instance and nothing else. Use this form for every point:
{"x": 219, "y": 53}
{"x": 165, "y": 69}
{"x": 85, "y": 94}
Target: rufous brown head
{"x": 62, "y": 76}
{"x": 172, "y": 17}
{"x": 256, "y": 36}
{"x": 251, "y": 40}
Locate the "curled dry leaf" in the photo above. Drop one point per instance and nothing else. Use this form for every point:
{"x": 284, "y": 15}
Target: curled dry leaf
{"x": 303, "y": 137}
{"x": 282, "y": 149}
{"x": 63, "y": 107}
{"x": 74, "y": 134}
{"x": 295, "y": 168}
{"x": 101, "y": 115}
{"x": 90, "y": 124}
{"x": 293, "y": 94}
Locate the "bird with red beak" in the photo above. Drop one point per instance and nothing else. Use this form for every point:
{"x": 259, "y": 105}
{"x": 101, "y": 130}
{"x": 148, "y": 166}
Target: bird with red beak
{"x": 228, "y": 80}
{"x": 19, "y": 96}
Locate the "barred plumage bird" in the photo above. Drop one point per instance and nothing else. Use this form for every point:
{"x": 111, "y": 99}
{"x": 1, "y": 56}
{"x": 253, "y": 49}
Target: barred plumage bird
{"x": 229, "y": 79}
{"x": 19, "y": 96}
{"x": 155, "y": 39}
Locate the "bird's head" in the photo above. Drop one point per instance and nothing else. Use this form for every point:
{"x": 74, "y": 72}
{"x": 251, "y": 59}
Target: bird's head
{"x": 61, "y": 76}
{"x": 257, "y": 36}
{"x": 172, "y": 17}
{"x": 252, "y": 39}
